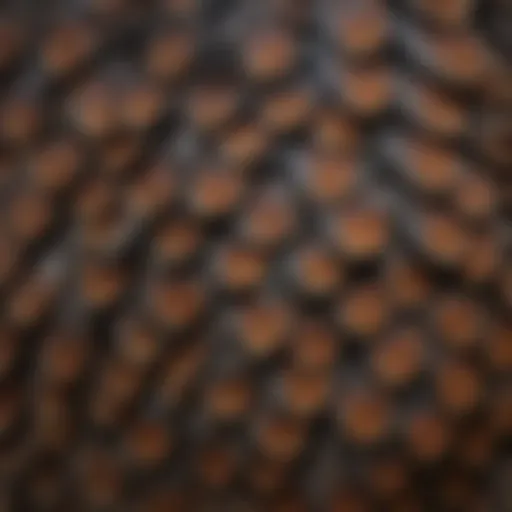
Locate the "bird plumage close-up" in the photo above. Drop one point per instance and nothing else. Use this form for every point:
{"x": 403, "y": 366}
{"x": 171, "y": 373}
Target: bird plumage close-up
{"x": 255, "y": 256}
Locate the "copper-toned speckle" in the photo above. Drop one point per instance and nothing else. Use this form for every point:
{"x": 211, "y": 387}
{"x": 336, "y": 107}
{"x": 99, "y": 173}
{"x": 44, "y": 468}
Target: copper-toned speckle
{"x": 116, "y": 387}
{"x": 94, "y": 110}
{"x": 142, "y": 105}
{"x": 119, "y": 154}
{"x": 63, "y": 359}
{"x": 501, "y": 413}
{"x": 460, "y": 59}
{"x": 281, "y": 438}
{"x": 66, "y": 48}
{"x": 11, "y": 43}
{"x": 95, "y": 200}
{"x": 167, "y": 500}
{"x": 20, "y": 120}
{"x": 211, "y": 107}
{"x": 99, "y": 478}
{"x": 56, "y": 165}
{"x": 147, "y": 443}
{"x": 456, "y": 492}
{"x": 119, "y": 379}
{"x": 9, "y": 260}
{"x": 244, "y": 145}
{"x": 506, "y": 286}
{"x": 407, "y": 503}
{"x": 216, "y": 193}
{"x": 54, "y": 424}
{"x": 399, "y": 359}
{"x": 177, "y": 304}
{"x": 486, "y": 256}
{"x": 494, "y": 135}
{"x": 305, "y": 393}
{"x": 496, "y": 90}
{"x": 428, "y": 436}
{"x": 476, "y": 197}
{"x": 294, "y": 12}
{"x": 475, "y": 446}
{"x": 437, "y": 112}
{"x": 169, "y": 55}
{"x": 408, "y": 284}
{"x": 444, "y": 239}
{"x": 389, "y": 476}
{"x": 10, "y": 409}
{"x": 105, "y": 413}
{"x": 228, "y": 399}
{"x": 30, "y": 303}
{"x": 349, "y": 501}
{"x": 361, "y": 233}
{"x": 269, "y": 55}
{"x": 431, "y": 168}
{"x": 30, "y": 216}
{"x": 446, "y": 13}
{"x": 500, "y": 349}
{"x": 459, "y": 321}
{"x": 239, "y": 268}
{"x": 254, "y": 256}
{"x": 368, "y": 91}
{"x": 107, "y": 235}
{"x": 364, "y": 310}
{"x": 286, "y": 110}
{"x": 7, "y": 170}
{"x": 459, "y": 387}
{"x": 152, "y": 192}
{"x": 138, "y": 343}
{"x": 44, "y": 485}
{"x": 330, "y": 179}
{"x": 176, "y": 242}
{"x": 335, "y": 131}
{"x": 362, "y": 30}
{"x": 102, "y": 285}
{"x": 181, "y": 9}
{"x": 109, "y": 9}
{"x": 270, "y": 220}
{"x": 180, "y": 374}
{"x": 9, "y": 351}
{"x": 266, "y": 475}
{"x": 290, "y": 502}
{"x": 364, "y": 417}
{"x": 317, "y": 272}
{"x": 263, "y": 328}
{"x": 217, "y": 465}
{"x": 314, "y": 346}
